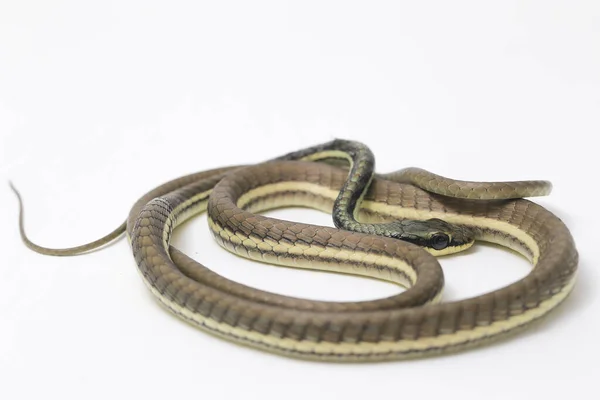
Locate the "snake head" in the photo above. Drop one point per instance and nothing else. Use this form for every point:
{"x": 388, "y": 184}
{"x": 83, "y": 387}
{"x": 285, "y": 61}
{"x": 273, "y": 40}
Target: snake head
{"x": 435, "y": 235}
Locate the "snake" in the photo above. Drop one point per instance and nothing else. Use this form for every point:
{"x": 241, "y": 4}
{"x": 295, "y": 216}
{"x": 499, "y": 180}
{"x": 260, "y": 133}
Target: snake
{"x": 391, "y": 227}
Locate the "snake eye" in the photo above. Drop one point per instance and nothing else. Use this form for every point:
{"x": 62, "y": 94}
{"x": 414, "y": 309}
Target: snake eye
{"x": 439, "y": 241}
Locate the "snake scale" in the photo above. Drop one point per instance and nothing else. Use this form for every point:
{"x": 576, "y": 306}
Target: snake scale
{"x": 389, "y": 227}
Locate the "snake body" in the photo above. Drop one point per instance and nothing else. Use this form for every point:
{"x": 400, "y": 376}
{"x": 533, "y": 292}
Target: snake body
{"x": 410, "y": 324}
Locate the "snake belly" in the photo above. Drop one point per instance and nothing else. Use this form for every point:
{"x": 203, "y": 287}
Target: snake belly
{"x": 410, "y": 324}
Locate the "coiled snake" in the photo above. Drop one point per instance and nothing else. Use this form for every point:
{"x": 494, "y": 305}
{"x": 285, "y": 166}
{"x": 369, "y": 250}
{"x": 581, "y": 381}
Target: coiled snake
{"x": 384, "y": 225}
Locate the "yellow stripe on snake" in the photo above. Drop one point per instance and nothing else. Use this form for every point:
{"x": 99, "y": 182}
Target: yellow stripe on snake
{"x": 387, "y": 227}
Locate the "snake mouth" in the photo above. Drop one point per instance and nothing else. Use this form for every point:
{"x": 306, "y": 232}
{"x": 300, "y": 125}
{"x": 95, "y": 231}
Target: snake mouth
{"x": 451, "y": 249}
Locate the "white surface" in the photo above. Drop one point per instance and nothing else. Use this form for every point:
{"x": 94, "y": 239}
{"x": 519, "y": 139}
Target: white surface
{"x": 101, "y": 102}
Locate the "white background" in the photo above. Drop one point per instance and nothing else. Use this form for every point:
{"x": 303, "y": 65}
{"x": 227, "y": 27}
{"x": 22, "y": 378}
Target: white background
{"x": 100, "y": 102}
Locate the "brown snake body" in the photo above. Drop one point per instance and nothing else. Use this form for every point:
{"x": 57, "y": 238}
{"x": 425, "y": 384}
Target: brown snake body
{"x": 410, "y": 324}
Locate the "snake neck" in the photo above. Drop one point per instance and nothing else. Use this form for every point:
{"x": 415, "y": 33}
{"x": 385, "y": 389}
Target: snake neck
{"x": 360, "y": 175}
